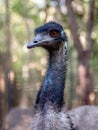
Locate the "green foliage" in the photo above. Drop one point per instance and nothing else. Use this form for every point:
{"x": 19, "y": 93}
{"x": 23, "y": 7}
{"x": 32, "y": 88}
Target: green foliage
{"x": 18, "y": 29}
{"x": 19, "y": 7}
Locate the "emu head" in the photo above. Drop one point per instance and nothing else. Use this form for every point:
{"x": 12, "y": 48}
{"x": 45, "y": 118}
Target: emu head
{"x": 50, "y": 36}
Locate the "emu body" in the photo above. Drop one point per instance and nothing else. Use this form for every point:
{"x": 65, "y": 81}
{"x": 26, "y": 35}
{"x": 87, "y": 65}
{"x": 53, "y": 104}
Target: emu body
{"x": 49, "y": 113}
{"x": 18, "y": 119}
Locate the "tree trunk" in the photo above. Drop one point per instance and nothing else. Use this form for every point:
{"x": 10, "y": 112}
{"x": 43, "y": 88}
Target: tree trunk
{"x": 85, "y": 80}
{"x": 5, "y": 60}
{"x": 7, "y": 57}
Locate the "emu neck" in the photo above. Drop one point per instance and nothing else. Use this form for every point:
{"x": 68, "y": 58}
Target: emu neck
{"x": 52, "y": 89}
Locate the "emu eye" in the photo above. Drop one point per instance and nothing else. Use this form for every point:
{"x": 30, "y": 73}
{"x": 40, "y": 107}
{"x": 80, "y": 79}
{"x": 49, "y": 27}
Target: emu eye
{"x": 54, "y": 33}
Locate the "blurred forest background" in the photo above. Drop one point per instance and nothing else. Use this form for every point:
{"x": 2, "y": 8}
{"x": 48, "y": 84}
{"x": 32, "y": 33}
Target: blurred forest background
{"x": 21, "y": 70}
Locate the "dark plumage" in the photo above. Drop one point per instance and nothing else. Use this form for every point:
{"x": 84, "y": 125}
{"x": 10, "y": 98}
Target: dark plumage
{"x": 48, "y": 27}
{"x": 52, "y": 88}
{"x": 49, "y": 113}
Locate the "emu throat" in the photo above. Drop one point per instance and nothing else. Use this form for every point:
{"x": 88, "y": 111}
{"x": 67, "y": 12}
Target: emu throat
{"x": 52, "y": 88}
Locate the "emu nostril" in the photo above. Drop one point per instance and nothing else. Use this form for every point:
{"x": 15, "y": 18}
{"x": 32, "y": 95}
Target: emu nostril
{"x": 35, "y": 41}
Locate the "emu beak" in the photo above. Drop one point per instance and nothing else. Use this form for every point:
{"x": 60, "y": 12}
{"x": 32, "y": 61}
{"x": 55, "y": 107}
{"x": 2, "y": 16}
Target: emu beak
{"x": 36, "y": 41}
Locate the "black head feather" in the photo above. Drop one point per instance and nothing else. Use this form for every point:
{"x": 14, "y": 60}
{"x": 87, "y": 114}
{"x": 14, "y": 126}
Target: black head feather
{"x": 49, "y": 26}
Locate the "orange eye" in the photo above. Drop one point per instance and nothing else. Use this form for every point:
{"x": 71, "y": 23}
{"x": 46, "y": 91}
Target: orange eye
{"x": 54, "y": 33}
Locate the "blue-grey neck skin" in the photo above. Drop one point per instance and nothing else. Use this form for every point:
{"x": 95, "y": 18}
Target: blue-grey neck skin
{"x": 52, "y": 89}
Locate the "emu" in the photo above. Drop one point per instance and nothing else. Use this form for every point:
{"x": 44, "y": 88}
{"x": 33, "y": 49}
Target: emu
{"x": 49, "y": 112}
{"x": 18, "y": 118}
